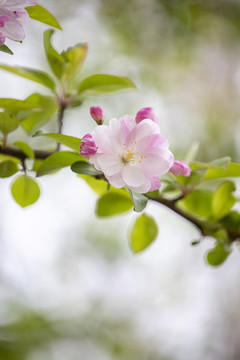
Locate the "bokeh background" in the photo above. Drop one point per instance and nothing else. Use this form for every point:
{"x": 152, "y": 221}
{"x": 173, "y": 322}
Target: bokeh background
{"x": 70, "y": 288}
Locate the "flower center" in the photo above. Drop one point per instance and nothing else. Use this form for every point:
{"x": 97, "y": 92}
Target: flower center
{"x": 131, "y": 155}
{"x": 128, "y": 156}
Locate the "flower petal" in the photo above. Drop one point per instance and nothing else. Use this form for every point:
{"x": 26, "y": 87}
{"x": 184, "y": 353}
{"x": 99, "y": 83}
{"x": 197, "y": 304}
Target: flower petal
{"x": 110, "y": 164}
{"x": 133, "y": 175}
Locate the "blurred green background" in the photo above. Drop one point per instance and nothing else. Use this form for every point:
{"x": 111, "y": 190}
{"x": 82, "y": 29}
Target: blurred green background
{"x": 70, "y": 288}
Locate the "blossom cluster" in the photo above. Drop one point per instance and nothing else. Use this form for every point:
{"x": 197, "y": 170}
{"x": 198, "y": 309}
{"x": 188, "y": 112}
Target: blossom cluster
{"x": 13, "y": 18}
{"x": 131, "y": 151}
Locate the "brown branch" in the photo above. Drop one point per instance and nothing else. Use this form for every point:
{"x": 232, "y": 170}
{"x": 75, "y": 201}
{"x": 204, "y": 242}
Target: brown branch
{"x": 10, "y": 151}
{"x": 200, "y": 225}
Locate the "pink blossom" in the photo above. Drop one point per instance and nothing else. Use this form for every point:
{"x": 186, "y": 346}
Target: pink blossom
{"x": 146, "y": 113}
{"x": 13, "y": 18}
{"x": 88, "y": 146}
{"x": 97, "y": 114}
{"x": 131, "y": 154}
{"x": 180, "y": 168}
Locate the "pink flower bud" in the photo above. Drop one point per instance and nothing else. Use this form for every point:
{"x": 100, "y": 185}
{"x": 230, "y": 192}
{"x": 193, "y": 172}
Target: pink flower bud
{"x": 97, "y": 114}
{"x": 180, "y": 168}
{"x": 88, "y": 146}
{"x": 146, "y": 113}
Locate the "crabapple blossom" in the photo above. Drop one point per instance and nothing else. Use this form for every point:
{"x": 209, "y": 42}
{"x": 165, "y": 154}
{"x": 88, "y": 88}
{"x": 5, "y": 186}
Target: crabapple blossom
{"x": 13, "y": 17}
{"x": 146, "y": 113}
{"x": 180, "y": 168}
{"x": 88, "y": 146}
{"x": 129, "y": 153}
{"x": 97, "y": 114}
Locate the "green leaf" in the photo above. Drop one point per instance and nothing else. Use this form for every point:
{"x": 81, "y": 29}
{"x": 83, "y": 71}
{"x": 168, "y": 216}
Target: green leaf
{"x": 113, "y": 203}
{"x": 143, "y": 233}
{"x": 97, "y": 185}
{"x": 217, "y": 255}
{"x": 221, "y": 163}
{"x": 25, "y": 148}
{"x": 25, "y": 190}
{"x": 56, "y": 61}
{"x": 41, "y": 14}
{"x": 233, "y": 170}
{"x": 232, "y": 221}
{"x": 69, "y": 141}
{"x": 8, "y": 122}
{"x": 102, "y": 83}
{"x": 6, "y": 49}
{"x": 8, "y": 168}
{"x": 197, "y": 203}
{"x": 31, "y": 74}
{"x": 83, "y": 167}
{"x": 223, "y": 200}
{"x": 139, "y": 200}
{"x": 57, "y": 161}
{"x": 46, "y": 108}
{"x": 74, "y": 58}
{"x": 15, "y": 104}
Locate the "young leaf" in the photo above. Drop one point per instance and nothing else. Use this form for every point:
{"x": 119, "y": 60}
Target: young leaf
{"x": 217, "y": 255}
{"x": 223, "y": 200}
{"x": 74, "y": 58}
{"x": 41, "y": 14}
{"x": 8, "y": 122}
{"x": 102, "y": 83}
{"x": 69, "y": 141}
{"x": 233, "y": 170}
{"x": 197, "y": 203}
{"x": 99, "y": 186}
{"x": 143, "y": 233}
{"x": 31, "y": 74}
{"x": 25, "y": 190}
{"x": 57, "y": 161}
{"x": 6, "y": 49}
{"x": 83, "y": 167}
{"x": 8, "y": 168}
{"x": 56, "y": 61}
{"x": 113, "y": 203}
{"x": 221, "y": 163}
{"x": 15, "y": 104}
{"x": 25, "y": 148}
{"x": 32, "y": 120}
{"x": 140, "y": 201}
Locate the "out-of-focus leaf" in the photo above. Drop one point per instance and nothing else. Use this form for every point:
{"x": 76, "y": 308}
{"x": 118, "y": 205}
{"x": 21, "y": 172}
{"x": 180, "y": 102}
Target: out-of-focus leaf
{"x": 41, "y": 14}
{"x": 69, "y": 141}
{"x": 25, "y": 148}
{"x": 56, "y": 61}
{"x": 74, "y": 58}
{"x": 197, "y": 203}
{"x": 232, "y": 221}
{"x": 32, "y": 120}
{"x": 113, "y": 203}
{"x": 139, "y": 200}
{"x": 5, "y": 48}
{"x": 233, "y": 170}
{"x": 221, "y": 163}
{"x": 15, "y": 104}
{"x": 83, "y": 167}
{"x": 99, "y": 186}
{"x": 8, "y": 122}
{"x": 143, "y": 233}
{"x": 31, "y": 74}
{"x": 57, "y": 161}
{"x": 103, "y": 83}
{"x": 217, "y": 255}
{"x": 8, "y": 168}
{"x": 223, "y": 199}
{"x": 25, "y": 190}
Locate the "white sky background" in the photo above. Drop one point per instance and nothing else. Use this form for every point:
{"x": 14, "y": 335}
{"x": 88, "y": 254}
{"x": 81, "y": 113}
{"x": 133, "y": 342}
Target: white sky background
{"x": 50, "y": 255}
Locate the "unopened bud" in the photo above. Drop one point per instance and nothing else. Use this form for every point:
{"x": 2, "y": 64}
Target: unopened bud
{"x": 97, "y": 114}
{"x": 146, "y": 113}
{"x": 180, "y": 168}
{"x": 88, "y": 146}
